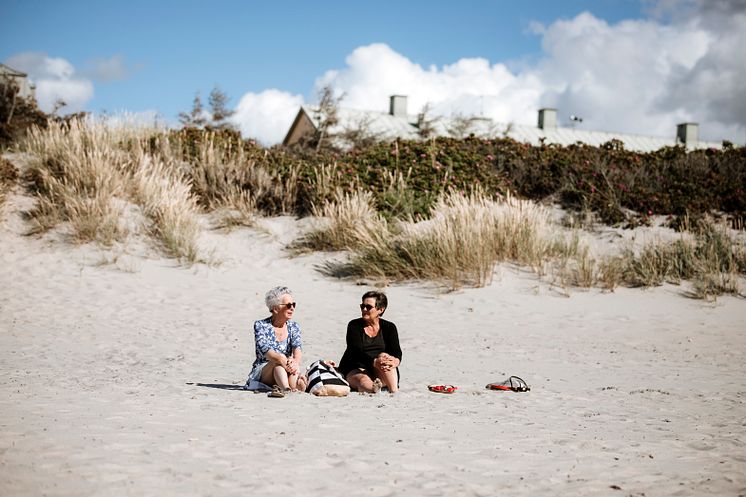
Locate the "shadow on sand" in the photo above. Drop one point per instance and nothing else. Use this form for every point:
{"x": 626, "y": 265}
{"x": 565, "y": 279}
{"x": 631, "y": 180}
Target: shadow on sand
{"x": 221, "y": 386}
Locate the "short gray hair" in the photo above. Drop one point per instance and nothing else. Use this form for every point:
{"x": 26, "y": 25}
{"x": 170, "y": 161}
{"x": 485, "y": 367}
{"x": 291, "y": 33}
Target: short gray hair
{"x": 274, "y": 296}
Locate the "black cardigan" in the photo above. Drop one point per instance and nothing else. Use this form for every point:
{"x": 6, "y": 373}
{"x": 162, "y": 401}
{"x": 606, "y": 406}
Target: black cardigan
{"x": 354, "y": 356}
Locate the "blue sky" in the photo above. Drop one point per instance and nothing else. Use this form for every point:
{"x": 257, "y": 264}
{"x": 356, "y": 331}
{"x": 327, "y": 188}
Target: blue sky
{"x": 499, "y": 58}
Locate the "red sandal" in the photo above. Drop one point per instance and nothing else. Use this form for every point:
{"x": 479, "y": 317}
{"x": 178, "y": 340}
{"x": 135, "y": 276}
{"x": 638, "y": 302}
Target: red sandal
{"x": 442, "y": 388}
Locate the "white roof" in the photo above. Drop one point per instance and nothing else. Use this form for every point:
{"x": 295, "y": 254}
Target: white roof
{"x": 386, "y": 127}
{"x": 382, "y": 125}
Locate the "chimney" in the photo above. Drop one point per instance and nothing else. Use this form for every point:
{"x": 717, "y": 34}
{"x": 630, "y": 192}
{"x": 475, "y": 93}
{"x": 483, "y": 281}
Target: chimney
{"x": 687, "y": 133}
{"x": 398, "y": 105}
{"x": 547, "y": 119}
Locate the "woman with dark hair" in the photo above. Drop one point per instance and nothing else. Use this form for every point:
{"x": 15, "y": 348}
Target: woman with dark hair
{"x": 373, "y": 354}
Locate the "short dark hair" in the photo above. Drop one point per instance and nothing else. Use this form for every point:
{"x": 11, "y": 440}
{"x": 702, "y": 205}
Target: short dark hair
{"x": 381, "y": 301}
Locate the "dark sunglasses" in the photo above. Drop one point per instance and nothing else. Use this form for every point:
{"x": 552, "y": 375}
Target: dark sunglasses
{"x": 366, "y": 307}
{"x": 289, "y": 305}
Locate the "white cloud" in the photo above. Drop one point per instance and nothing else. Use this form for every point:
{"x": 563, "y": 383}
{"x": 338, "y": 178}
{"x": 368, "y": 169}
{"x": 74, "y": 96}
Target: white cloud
{"x": 615, "y": 76}
{"x": 713, "y": 88}
{"x": 469, "y": 86}
{"x": 266, "y": 116}
{"x": 636, "y": 76}
{"x": 55, "y": 81}
{"x": 644, "y": 76}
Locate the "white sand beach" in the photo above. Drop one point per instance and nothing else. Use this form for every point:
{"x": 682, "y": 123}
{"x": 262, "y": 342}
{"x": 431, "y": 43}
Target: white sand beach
{"x": 121, "y": 375}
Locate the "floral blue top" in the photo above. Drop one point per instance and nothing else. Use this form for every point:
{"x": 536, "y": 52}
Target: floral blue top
{"x": 264, "y": 336}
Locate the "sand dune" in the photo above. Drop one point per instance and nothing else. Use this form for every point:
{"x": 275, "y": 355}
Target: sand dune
{"x": 120, "y": 375}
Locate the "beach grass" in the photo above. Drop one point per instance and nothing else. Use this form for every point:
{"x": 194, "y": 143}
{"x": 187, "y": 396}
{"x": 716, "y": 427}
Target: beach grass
{"x": 8, "y": 179}
{"x": 460, "y": 244}
{"x": 84, "y": 173}
{"x": 467, "y": 235}
{"x": 87, "y": 174}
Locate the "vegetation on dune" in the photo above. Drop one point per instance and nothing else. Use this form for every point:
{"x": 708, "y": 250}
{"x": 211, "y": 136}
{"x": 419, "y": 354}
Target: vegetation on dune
{"x": 8, "y": 178}
{"x": 441, "y": 209}
{"x": 467, "y": 235}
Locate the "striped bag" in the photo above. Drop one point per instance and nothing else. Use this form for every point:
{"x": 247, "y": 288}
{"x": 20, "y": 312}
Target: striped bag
{"x": 325, "y": 381}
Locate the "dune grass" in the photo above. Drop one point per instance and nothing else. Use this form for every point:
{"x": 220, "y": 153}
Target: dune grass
{"x": 467, "y": 235}
{"x": 166, "y": 198}
{"x": 348, "y": 221}
{"x": 712, "y": 261}
{"x": 86, "y": 173}
{"x": 8, "y": 179}
{"x": 77, "y": 176}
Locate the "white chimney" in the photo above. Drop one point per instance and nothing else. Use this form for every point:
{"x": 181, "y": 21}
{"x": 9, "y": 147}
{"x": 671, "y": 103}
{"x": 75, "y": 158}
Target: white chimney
{"x": 398, "y": 105}
{"x": 687, "y": 133}
{"x": 547, "y": 118}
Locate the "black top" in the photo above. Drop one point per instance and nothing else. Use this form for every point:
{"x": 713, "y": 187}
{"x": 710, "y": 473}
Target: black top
{"x": 361, "y": 349}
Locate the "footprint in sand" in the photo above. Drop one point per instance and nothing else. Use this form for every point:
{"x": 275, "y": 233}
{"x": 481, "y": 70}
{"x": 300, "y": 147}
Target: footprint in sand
{"x": 701, "y": 445}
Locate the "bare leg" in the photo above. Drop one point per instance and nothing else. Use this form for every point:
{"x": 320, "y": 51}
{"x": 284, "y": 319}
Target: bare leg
{"x": 293, "y": 381}
{"x": 302, "y": 383}
{"x": 362, "y": 382}
{"x": 275, "y": 374}
{"x": 389, "y": 378}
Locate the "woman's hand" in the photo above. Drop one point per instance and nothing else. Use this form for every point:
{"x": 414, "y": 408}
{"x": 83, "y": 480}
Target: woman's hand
{"x": 386, "y": 362}
{"x": 291, "y": 366}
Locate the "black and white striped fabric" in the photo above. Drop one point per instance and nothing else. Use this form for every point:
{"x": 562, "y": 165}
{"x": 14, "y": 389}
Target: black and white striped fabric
{"x": 320, "y": 373}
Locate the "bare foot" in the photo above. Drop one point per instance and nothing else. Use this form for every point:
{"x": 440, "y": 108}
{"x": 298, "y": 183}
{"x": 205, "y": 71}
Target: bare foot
{"x": 302, "y": 384}
{"x": 377, "y": 385}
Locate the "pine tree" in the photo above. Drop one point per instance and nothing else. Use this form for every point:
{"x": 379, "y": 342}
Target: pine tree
{"x": 195, "y": 118}
{"x": 218, "y": 102}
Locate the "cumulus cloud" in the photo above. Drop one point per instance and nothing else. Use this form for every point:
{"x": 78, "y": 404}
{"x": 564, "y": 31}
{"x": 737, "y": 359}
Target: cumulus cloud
{"x": 266, "y": 116}
{"x": 712, "y": 89}
{"x": 470, "y": 86}
{"x": 645, "y": 76}
{"x": 55, "y": 81}
{"x": 683, "y": 63}
{"x": 613, "y": 77}
{"x": 636, "y": 76}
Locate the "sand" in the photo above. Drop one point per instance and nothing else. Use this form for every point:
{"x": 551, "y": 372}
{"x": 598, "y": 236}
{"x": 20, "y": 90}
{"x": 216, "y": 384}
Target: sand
{"x": 121, "y": 373}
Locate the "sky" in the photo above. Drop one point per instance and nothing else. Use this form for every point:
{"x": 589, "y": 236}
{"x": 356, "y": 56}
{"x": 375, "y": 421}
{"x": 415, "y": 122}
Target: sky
{"x": 631, "y": 66}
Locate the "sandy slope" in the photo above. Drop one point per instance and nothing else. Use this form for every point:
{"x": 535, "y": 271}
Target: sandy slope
{"x": 121, "y": 379}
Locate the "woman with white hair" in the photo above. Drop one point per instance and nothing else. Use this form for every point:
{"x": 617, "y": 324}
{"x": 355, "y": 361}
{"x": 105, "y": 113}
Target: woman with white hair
{"x": 278, "y": 347}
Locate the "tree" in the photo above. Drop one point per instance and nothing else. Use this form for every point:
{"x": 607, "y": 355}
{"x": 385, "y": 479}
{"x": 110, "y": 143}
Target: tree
{"x": 195, "y": 118}
{"x": 426, "y": 122}
{"x": 218, "y": 102}
{"x": 328, "y": 117}
{"x": 58, "y": 104}
{"x": 461, "y": 126}
{"x": 360, "y": 134}
{"x": 17, "y": 114}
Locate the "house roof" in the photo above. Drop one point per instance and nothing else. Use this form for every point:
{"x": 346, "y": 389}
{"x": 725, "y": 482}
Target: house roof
{"x": 12, "y": 72}
{"x": 569, "y": 136}
{"x": 384, "y": 126}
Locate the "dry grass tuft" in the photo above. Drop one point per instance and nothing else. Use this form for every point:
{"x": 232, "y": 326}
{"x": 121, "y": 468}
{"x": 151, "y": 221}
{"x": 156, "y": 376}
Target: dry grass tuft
{"x": 467, "y": 235}
{"x": 713, "y": 261}
{"x": 84, "y": 171}
{"x": 77, "y": 175}
{"x": 349, "y": 222}
{"x": 166, "y": 198}
{"x": 8, "y": 178}
{"x": 459, "y": 245}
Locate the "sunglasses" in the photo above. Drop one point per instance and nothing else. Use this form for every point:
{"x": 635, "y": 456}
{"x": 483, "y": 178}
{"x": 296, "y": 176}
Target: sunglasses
{"x": 289, "y": 305}
{"x": 366, "y": 307}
